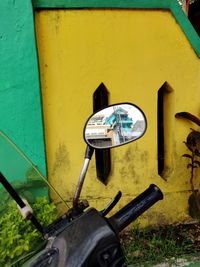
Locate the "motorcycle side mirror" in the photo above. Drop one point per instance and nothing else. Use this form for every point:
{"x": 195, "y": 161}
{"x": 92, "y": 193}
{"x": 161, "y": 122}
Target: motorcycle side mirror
{"x": 114, "y": 126}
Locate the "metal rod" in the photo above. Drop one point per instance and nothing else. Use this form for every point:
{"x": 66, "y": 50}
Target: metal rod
{"x": 11, "y": 191}
{"x": 19, "y": 201}
{"x": 80, "y": 182}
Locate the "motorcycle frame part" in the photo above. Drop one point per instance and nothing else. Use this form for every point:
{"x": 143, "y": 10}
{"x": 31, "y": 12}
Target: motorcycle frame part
{"x": 92, "y": 240}
{"x": 11, "y": 191}
{"x": 56, "y": 227}
{"x": 111, "y": 205}
{"x": 87, "y": 241}
{"x": 25, "y": 211}
{"x": 88, "y": 155}
{"x": 135, "y": 208}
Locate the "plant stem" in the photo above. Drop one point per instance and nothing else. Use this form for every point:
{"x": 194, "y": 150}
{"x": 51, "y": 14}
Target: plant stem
{"x": 192, "y": 173}
{"x": 191, "y": 181}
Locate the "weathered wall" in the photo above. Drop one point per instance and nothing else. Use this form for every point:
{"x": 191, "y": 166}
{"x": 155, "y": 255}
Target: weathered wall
{"x": 20, "y": 103}
{"x": 133, "y": 52}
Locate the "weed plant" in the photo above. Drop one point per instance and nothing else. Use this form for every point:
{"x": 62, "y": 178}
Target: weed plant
{"x": 18, "y": 237}
{"x": 154, "y": 245}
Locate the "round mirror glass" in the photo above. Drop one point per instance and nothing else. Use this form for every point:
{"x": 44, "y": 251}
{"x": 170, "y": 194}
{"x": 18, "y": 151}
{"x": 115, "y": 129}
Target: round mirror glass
{"x": 114, "y": 126}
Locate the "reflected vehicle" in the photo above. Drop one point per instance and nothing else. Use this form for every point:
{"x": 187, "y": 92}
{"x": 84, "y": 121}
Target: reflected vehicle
{"x": 115, "y": 125}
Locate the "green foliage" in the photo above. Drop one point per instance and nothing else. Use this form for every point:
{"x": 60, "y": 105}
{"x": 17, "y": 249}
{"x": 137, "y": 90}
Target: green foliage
{"x": 17, "y": 235}
{"x": 193, "y": 144}
{"x": 153, "y": 245}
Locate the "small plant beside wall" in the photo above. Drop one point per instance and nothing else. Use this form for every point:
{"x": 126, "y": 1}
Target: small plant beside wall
{"x": 193, "y": 144}
{"x": 18, "y": 237}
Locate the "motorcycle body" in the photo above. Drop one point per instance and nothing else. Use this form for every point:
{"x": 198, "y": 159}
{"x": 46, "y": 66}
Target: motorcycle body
{"x": 82, "y": 236}
{"x": 86, "y": 241}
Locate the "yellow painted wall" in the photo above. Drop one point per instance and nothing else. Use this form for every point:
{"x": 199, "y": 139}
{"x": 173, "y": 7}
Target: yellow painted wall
{"x": 133, "y": 52}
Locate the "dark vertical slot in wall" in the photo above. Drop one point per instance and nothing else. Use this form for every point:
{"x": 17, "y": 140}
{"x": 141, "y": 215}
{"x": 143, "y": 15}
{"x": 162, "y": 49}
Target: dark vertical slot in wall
{"x": 194, "y": 15}
{"x": 103, "y": 158}
{"x": 165, "y": 124}
{"x": 160, "y": 134}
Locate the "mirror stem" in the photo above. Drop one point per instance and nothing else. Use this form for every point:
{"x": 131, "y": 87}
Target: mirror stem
{"x": 89, "y": 152}
{"x": 88, "y": 155}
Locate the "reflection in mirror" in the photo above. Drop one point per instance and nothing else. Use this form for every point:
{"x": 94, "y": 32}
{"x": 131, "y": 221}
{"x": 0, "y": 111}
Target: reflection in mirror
{"x": 114, "y": 126}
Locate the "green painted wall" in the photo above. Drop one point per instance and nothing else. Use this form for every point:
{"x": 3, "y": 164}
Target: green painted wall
{"x": 20, "y": 103}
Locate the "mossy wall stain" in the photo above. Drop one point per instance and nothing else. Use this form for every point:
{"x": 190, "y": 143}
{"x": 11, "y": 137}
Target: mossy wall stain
{"x": 61, "y": 167}
{"x": 62, "y": 161}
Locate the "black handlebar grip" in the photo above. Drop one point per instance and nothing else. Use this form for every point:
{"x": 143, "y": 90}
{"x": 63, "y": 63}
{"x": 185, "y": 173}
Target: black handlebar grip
{"x": 135, "y": 208}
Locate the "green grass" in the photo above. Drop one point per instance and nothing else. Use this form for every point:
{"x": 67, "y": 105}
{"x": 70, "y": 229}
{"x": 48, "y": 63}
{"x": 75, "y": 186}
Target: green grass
{"x": 154, "y": 245}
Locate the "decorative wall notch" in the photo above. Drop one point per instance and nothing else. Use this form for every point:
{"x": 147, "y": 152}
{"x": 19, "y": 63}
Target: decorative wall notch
{"x": 103, "y": 158}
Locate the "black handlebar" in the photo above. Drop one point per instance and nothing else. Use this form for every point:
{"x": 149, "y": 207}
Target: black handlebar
{"x": 135, "y": 208}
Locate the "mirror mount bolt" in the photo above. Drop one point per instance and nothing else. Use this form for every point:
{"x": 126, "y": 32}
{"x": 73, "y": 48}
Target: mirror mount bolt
{"x": 78, "y": 210}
